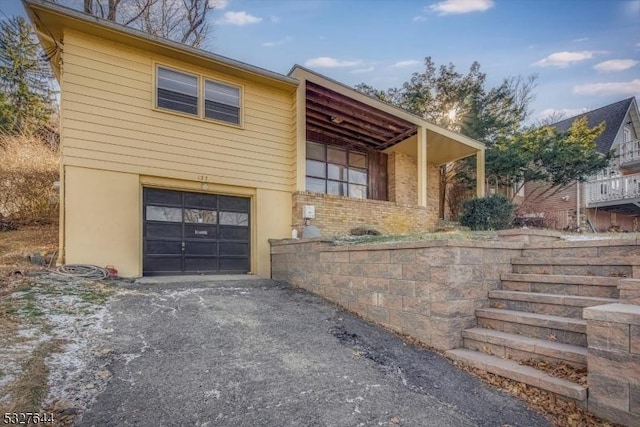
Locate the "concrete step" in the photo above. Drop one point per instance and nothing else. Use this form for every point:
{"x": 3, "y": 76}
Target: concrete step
{"x": 579, "y": 266}
{"x": 518, "y": 347}
{"x": 553, "y": 304}
{"x": 584, "y": 248}
{"x": 553, "y": 328}
{"x": 562, "y": 284}
{"x": 524, "y": 374}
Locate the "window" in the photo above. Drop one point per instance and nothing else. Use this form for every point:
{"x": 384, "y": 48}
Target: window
{"x": 336, "y": 171}
{"x": 182, "y": 92}
{"x": 177, "y": 91}
{"x": 221, "y": 102}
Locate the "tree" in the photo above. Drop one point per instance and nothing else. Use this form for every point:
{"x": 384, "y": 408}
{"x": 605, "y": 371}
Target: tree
{"x": 26, "y": 92}
{"x": 545, "y": 155}
{"x": 462, "y": 103}
{"x": 184, "y": 21}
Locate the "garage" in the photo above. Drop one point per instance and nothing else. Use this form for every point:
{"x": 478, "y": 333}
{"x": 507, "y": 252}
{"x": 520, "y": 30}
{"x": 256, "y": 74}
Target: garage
{"x": 195, "y": 233}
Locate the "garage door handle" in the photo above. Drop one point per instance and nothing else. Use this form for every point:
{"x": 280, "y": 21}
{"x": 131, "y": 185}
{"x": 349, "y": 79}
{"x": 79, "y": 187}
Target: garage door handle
{"x": 182, "y": 246}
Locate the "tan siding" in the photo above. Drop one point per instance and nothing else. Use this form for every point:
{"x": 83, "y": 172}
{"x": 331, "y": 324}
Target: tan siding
{"x": 109, "y": 122}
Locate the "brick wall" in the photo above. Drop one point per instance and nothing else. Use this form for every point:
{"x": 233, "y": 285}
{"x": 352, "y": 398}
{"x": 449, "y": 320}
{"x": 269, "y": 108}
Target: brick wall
{"x": 613, "y": 334}
{"x": 428, "y": 290}
{"x": 337, "y": 215}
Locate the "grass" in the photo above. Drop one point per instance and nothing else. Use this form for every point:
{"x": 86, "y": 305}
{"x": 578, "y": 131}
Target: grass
{"x": 30, "y": 388}
{"x": 16, "y": 245}
{"x": 416, "y": 237}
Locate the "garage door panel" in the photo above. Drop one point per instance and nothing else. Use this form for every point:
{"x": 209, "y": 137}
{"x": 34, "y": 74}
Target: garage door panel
{"x": 200, "y": 231}
{"x": 234, "y": 204}
{"x": 198, "y": 200}
{"x": 200, "y": 264}
{"x": 195, "y": 233}
{"x": 163, "y": 197}
{"x": 164, "y": 265}
{"x": 201, "y": 248}
{"x": 233, "y": 233}
{"x": 163, "y": 230}
{"x": 234, "y": 264}
{"x": 241, "y": 249}
{"x": 163, "y": 247}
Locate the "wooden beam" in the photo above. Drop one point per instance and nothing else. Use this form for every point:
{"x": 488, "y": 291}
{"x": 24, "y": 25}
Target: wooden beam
{"x": 344, "y": 133}
{"x": 317, "y": 135}
{"x": 399, "y": 138}
{"x": 351, "y": 115}
{"x": 327, "y": 95}
{"x": 347, "y": 126}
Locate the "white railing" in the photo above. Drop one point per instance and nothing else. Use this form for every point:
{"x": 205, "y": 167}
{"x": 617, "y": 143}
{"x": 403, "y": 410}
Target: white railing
{"x": 629, "y": 152}
{"x": 613, "y": 189}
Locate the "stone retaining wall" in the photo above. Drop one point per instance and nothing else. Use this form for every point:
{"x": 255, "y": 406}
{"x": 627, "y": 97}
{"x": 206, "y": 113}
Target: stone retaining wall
{"x": 613, "y": 332}
{"x": 428, "y": 290}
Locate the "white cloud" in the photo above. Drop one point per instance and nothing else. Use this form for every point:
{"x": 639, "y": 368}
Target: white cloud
{"x": 239, "y": 18}
{"x": 407, "y": 63}
{"x": 564, "y": 59}
{"x": 615, "y": 65}
{"x": 218, "y": 4}
{"x": 609, "y": 88}
{"x": 275, "y": 19}
{"x": 580, "y": 40}
{"x": 454, "y": 7}
{"x": 562, "y": 112}
{"x": 328, "y": 62}
{"x": 419, "y": 18}
{"x": 277, "y": 42}
{"x": 362, "y": 70}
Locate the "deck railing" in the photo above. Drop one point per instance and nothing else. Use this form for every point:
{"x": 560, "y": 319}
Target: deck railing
{"x": 629, "y": 153}
{"x": 613, "y": 189}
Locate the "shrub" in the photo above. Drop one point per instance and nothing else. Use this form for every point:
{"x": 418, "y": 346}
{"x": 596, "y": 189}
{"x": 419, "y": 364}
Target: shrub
{"x": 29, "y": 169}
{"x": 364, "y": 231}
{"x": 495, "y": 212}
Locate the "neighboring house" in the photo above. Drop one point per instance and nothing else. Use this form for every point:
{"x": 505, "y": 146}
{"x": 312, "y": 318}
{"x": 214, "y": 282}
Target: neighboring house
{"x": 176, "y": 160}
{"x": 610, "y": 199}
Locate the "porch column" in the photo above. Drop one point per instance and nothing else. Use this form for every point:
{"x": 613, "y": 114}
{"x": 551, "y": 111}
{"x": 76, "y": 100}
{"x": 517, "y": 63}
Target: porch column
{"x": 301, "y": 135}
{"x": 480, "y": 192}
{"x": 422, "y": 166}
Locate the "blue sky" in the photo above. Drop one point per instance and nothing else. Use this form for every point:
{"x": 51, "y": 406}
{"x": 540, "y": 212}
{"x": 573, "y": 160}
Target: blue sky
{"x": 586, "y": 53}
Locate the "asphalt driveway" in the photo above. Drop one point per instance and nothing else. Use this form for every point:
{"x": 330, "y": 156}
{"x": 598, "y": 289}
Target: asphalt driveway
{"x": 258, "y": 353}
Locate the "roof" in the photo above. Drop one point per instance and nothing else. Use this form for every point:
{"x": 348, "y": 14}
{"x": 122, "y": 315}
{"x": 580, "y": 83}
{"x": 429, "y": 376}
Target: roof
{"x": 612, "y": 115}
{"x": 50, "y": 19}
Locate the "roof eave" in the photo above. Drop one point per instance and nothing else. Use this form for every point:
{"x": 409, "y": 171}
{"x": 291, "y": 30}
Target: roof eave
{"x": 69, "y": 18}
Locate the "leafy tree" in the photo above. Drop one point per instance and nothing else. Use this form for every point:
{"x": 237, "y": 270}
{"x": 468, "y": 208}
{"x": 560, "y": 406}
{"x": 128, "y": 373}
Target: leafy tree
{"x": 462, "y": 103}
{"x": 26, "y": 93}
{"x": 184, "y": 21}
{"x": 546, "y": 155}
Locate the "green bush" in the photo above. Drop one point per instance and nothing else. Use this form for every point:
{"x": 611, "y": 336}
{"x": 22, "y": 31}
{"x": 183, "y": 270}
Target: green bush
{"x": 495, "y": 212}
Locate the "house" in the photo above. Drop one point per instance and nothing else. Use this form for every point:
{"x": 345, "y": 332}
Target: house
{"x": 179, "y": 161}
{"x": 611, "y": 198}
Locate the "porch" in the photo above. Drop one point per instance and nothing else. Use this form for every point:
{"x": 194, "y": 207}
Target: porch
{"x": 619, "y": 193}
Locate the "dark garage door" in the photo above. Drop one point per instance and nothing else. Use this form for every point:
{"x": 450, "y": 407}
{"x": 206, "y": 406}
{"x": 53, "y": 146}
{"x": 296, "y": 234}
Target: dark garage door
{"x": 194, "y": 233}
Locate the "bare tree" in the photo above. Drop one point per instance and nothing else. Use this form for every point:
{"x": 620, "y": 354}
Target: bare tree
{"x": 184, "y": 21}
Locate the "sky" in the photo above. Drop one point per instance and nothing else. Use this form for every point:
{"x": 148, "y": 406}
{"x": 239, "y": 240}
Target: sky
{"x": 586, "y": 53}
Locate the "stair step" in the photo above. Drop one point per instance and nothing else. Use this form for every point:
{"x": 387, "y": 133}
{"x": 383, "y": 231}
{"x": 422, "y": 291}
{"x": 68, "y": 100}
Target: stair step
{"x": 524, "y": 374}
{"x": 584, "y": 266}
{"x": 562, "y": 284}
{"x": 555, "y": 328}
{"x": 544, "y": 303}
{"x": 518, "y": 347}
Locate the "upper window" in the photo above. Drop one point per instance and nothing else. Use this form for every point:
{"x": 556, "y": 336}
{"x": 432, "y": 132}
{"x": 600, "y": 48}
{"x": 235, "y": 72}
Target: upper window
{"x": 182, "y": 92}
{"x": 177, "y": 91}
{"x": 221, "y": 102}
{"x": 336, "y": 171}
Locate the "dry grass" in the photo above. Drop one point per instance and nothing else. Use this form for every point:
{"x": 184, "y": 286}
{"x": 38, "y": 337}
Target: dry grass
{"x": 30, "y": 388}
{"x": 29, "y": 168}
{"x": 16, "y": 245}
